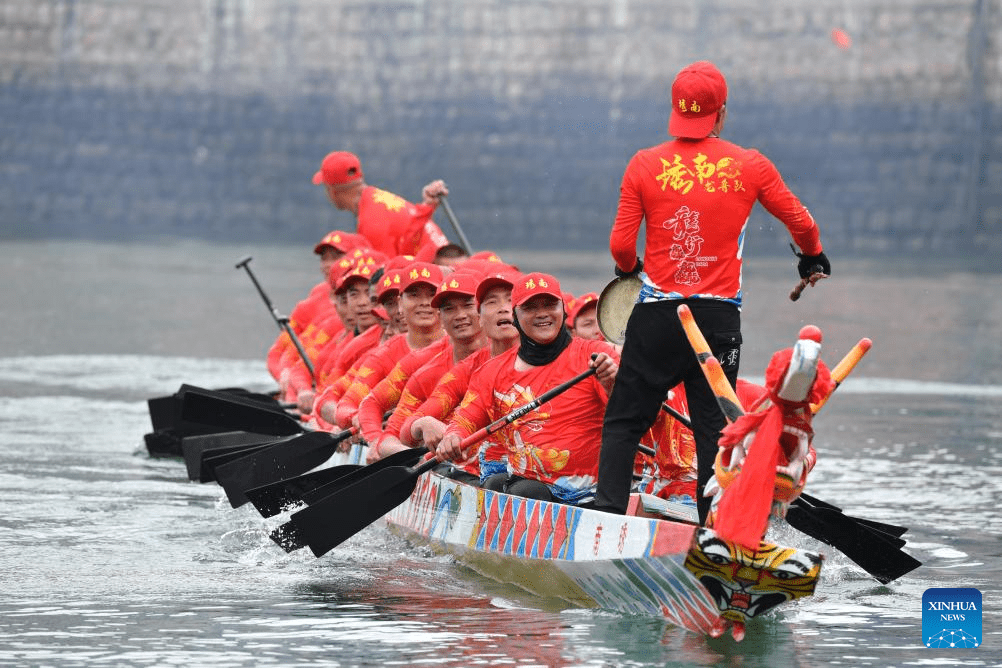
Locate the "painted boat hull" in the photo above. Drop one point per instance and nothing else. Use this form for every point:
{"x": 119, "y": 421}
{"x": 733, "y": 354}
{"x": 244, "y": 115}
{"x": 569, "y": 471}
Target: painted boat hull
{"x": 627, "y": 564}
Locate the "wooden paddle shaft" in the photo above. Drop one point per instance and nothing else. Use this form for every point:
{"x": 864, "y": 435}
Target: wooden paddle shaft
{"x": 804, "y": 282}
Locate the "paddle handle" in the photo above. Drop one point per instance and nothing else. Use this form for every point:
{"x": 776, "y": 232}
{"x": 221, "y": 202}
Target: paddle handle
{"x": 727, "y": 399}
{"x": 280, "y": 320}
{"x": 463, "y": 241}
{"x": 804, "y": 282}
{"x": 843, "y": 368}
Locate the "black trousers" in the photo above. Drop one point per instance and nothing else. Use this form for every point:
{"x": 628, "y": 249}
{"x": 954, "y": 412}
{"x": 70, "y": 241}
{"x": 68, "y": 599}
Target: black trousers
{"x": 656, "y": 357}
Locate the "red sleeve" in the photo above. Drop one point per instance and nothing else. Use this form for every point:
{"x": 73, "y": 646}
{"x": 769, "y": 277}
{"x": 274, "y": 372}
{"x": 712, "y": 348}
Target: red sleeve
{"x": 629, "y": 216}
{"x": 778, "y": 200}
{"x": 275, "y": 353}
{"x": 418, "y": 387}
{"x": 473, "y": 412}
{"x": 368, "y": 376}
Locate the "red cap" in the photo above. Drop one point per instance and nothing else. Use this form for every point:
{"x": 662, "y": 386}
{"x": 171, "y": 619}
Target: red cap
{"x": 420, "y": 272}
{"x": 569, "y": 301}
{"x": 506, "y": 276}
{"x": 341, "y": 241}
{"x": 698, "y": 93}
{"x": 490, "y": 256}
{"x": 457, "y": 284}
{"x": 534, "y": 284}
{"x": 399, "y": 261}
{"x": 338, "y": 168}
{"x": 339, "y": 269}
{"x": 389, "y": 284}
{"x": 586, "y": 300}
{"x": 361, "y": 272}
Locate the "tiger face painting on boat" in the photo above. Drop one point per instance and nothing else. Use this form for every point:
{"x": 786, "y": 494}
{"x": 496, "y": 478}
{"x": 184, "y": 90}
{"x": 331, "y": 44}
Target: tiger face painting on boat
{"x": 747, "y": 582}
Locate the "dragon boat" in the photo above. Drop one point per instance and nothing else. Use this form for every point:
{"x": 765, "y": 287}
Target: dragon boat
{"x": 654, "y": 560}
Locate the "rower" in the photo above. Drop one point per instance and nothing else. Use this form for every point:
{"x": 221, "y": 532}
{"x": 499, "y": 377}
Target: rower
{"x": 457, "y": 306}
{"x": 335, "y": 245}
{"x": 392, "y": 225}
{"x": 582, "y": 319}
{"x": 427, "y": 424}
{"x": 353, "y": 290}
{"x": 553, "y": 451}
{"x": 419, "y": 282}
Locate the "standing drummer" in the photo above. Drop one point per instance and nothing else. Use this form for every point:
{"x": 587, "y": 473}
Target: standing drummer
{"x": 695, "y": 193}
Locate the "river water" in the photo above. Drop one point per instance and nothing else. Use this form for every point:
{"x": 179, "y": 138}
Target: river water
{"x": 109, "y": 557}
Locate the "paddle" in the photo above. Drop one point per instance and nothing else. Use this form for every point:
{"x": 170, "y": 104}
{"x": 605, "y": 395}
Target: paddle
{"x": 232, "y": 413}
{"x": 195, "y": 448}
{"x": 275, "y": 462}
{"x": 280, "y": 320}
{"x": 455, "y": 224}
{"x": 890, "y": 529}
{"x": 864, "y": 546}
{"x": 170, "y": 430}
{"x": 272, "y": 498}
{"x": 339, "y": 516}
{"x": 215, "y": 457}
{"x": 876, "y": 553}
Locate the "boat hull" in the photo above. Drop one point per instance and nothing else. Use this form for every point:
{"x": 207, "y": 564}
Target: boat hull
{"x": 633, "y": 565}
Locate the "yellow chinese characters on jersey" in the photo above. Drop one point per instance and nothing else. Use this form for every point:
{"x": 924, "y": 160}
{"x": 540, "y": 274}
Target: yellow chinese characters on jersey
{"x": 682, "y": 176}
{"x": 389, "y": 200}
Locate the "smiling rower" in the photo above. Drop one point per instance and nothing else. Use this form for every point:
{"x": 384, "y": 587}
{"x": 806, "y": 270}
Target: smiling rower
{"x": 553, "y": 451}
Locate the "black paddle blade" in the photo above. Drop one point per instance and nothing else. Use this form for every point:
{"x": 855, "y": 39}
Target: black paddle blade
{"x": 270, "y": 464}
{"x": 163, "y": 412}
{"x": 234, "y": 413}
{"x": 291, "y": 538}
{"x": 880, "y": 527}
{"x": 288, "y": 537}
{"x": 163, "y": 443}
{"x": 193, "y": 448}
{"x": 870, "y": 550}
{"x": 893, "y": 529}
{"x": 333, "y": 520}
{"x": 402, "y": 458}
{"x": 214, "y": 457}
{"x": 273, "y": 498}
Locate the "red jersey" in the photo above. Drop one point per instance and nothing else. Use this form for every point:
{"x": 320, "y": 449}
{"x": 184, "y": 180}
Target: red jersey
{"x": 696, "y": 197}
{"x": 374, "y": 366}
{"x": 317, "y": 303}
{"x": 386, "y": 393}
{"x": 331, "y": 357}
{"x": 447, "y": 394}
{"x": 559, "y": 442}
{"x": 327, "y": 332}
{"x": 672, "y": 474}
{"x": 395, "y": 226}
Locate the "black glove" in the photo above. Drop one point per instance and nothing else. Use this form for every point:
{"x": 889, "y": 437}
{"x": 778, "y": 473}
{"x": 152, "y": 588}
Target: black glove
{"x": 637, "y": 268}
{"x": 811, "y": 264}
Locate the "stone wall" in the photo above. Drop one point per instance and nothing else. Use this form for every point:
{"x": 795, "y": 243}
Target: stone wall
{"x": 137, "y": 119}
